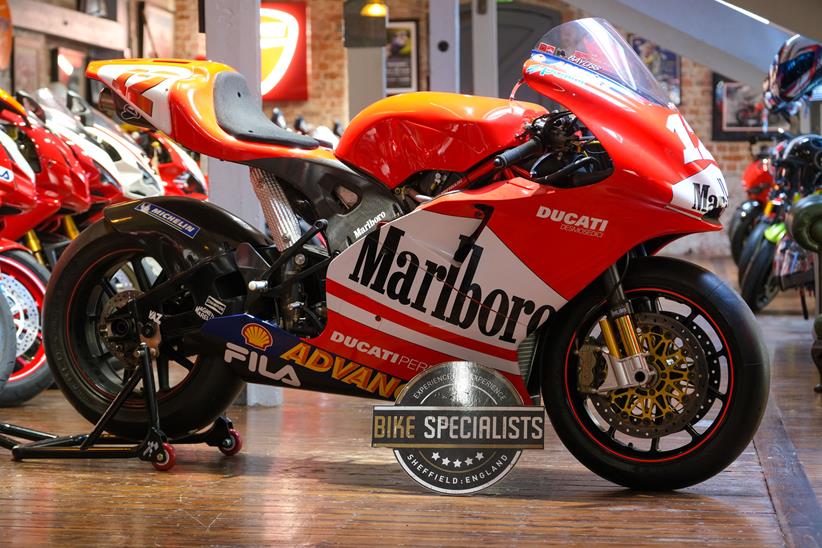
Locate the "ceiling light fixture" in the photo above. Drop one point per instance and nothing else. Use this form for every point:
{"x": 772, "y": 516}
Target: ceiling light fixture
{"x": 374, "y": 8}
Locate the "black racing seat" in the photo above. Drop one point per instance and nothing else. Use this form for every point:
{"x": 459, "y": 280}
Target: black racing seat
{"x": 239, "y": 116}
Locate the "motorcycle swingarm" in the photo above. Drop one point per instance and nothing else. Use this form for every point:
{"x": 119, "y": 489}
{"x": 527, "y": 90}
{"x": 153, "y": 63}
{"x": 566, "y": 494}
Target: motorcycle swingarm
{"x": 199, "y": 280}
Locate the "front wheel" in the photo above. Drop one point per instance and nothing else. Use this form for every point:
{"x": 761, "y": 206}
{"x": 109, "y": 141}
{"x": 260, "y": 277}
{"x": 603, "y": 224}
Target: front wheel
{"x": 708, "y": 396}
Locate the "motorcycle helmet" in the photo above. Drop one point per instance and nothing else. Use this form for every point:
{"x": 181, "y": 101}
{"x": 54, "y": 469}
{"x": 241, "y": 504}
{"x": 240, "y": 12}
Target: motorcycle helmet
{"x": 796, "y": 70}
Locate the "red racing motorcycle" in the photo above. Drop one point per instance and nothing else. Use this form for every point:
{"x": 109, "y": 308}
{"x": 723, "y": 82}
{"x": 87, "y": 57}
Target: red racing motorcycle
{"x": 652, "y": 370}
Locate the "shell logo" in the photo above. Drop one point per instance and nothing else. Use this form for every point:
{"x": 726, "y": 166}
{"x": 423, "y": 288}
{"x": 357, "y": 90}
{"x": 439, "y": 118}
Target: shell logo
{"x": 279, "y": 35}
{"x": 257, "y": 336}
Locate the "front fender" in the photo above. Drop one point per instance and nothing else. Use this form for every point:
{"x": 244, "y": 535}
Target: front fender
{"x": 189, "y": 229}
{"x": 8, "y": 245}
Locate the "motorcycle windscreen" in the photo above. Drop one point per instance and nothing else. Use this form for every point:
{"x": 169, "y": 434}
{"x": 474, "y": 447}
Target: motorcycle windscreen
{"x": 595, "y": 45}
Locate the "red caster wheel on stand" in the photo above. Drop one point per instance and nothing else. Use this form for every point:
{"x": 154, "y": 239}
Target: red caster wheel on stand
{"x": 165, "y": 460}
{"x": 231, "y": 445}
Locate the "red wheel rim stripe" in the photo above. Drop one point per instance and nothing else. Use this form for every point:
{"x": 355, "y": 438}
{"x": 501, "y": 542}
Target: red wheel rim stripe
{"x": 725, "y": 405}
{"x": 31, "y": 281}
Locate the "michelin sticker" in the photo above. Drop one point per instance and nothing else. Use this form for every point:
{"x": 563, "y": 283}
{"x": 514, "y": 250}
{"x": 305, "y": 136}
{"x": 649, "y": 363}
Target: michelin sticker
{"x": 174, "y": 221}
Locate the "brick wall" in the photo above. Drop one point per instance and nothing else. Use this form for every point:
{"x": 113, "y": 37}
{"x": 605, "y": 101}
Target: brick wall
{"x": 327, "y": 76}
{"x": 328, "y": 87}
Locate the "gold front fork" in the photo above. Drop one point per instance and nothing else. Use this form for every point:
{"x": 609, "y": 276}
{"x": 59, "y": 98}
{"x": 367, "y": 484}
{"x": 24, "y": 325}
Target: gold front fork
{"x": 627, "y": 336}
{"x": 70, "y": 227}
{"x": 33, "y": 243}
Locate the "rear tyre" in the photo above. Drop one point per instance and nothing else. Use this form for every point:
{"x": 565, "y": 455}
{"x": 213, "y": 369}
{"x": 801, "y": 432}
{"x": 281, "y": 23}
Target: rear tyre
{"x": 97, "y": 271}
{"x": 749, "y": 247}
{"x": 759, "y": 285}
{"x": 711, "y": 388}
{"x": 8, "y": 342}
{"x": 24, "y": 282}
{"x": 742, "y": 223}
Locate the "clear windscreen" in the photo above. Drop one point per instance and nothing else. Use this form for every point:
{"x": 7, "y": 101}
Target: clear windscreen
{"x": 596, "y": 46}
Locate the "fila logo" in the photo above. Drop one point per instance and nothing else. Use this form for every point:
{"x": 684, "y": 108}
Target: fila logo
{"x": 258, "y": 363}
{"x": 574, "y": 222}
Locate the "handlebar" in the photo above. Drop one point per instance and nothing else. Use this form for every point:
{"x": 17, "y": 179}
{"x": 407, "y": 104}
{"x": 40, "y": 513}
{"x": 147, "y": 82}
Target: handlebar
{"x": 518, "y": 153}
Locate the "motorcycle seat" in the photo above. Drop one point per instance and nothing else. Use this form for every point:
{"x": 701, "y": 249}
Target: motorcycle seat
{"x": 241, "y": 117}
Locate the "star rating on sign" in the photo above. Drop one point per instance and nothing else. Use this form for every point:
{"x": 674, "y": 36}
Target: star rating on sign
{"x": 446, "y": 461}
{"x": 457, "y": 463}
{"x": 479, "y": 456}
{"x": 435, "y": 455}
{"x": 469, "y": 461}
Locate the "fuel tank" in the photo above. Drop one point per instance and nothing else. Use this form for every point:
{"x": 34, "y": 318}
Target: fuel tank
{"x": 405, "y": 134}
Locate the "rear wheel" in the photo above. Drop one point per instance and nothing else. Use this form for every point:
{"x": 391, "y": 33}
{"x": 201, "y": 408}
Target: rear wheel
{"x": 705, "y": 403}
{"x": 24, "y": 282}
{"x": 92, "y": 355}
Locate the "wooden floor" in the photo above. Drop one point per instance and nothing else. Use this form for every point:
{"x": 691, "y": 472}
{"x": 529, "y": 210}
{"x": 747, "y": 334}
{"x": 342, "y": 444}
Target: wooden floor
{"x": 307, "y": 476}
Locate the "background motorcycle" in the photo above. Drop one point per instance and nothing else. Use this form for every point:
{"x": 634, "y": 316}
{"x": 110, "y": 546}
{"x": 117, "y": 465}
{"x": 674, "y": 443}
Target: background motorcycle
{"x": 23, "y": 279}
{"x": 798, "y": 173}
{"x": 757, "y": 181}
{"x": 221, "y": 302}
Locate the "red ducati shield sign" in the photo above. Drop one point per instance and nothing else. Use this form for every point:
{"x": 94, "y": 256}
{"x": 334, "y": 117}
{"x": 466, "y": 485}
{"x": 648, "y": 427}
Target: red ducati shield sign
{"x": 283, "y": 45}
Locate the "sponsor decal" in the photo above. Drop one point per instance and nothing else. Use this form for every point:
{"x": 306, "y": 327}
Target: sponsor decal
{"x": 544, "y": 70}
{"x": 546, "y": 48}
{"x": 257, "y": 336}
{"x": 258, "y": 363}
{"x": 574, "y": 222}
{"x": 346, "y": 371}
{"x": 204, "y": 313}
{"x": 215, "y": 305}
{"x": 155, "y": 316}
{"x": 171, "y": 219}
{"x": 458, "y": 428}
{"x": 392, "y": 271}
{"x": 371, "y": 223}
{"x": 700, "y": 193}
{"x": 6, "y": 174}
{"x": 705, "y": 199}
{"x": 584, "y": 60}
{"x": 378, "y": 352}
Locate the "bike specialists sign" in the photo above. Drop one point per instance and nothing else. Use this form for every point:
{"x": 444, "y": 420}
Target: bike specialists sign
{"x": 458, "y": 428}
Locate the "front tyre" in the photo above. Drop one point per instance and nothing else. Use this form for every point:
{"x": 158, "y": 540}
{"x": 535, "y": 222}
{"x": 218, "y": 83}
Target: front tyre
{"x": 709, "y": 396}
{"x": 24, "y": 282}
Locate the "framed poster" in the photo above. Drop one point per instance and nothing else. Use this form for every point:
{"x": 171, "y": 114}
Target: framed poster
{"x": 26, "y": 61}
{"x": 68, "y": 66}
{"x": 664, "y": 64}
{"x": 156, "y": 31}
{"x": 738, "y": 111}
{"x": 284, "y": 51}
{"x": 401, "y": 57}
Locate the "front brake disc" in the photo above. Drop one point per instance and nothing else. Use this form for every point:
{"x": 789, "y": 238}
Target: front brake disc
{"x": 672, "y": 401}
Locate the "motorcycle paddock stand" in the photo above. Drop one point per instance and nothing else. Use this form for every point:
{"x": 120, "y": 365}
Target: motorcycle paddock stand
{"x": 155, "y": 447}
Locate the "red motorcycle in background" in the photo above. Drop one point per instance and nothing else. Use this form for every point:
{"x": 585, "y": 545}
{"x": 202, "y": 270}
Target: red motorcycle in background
{"x": 652, "y": 370}
{"x": 758, "y": 182}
